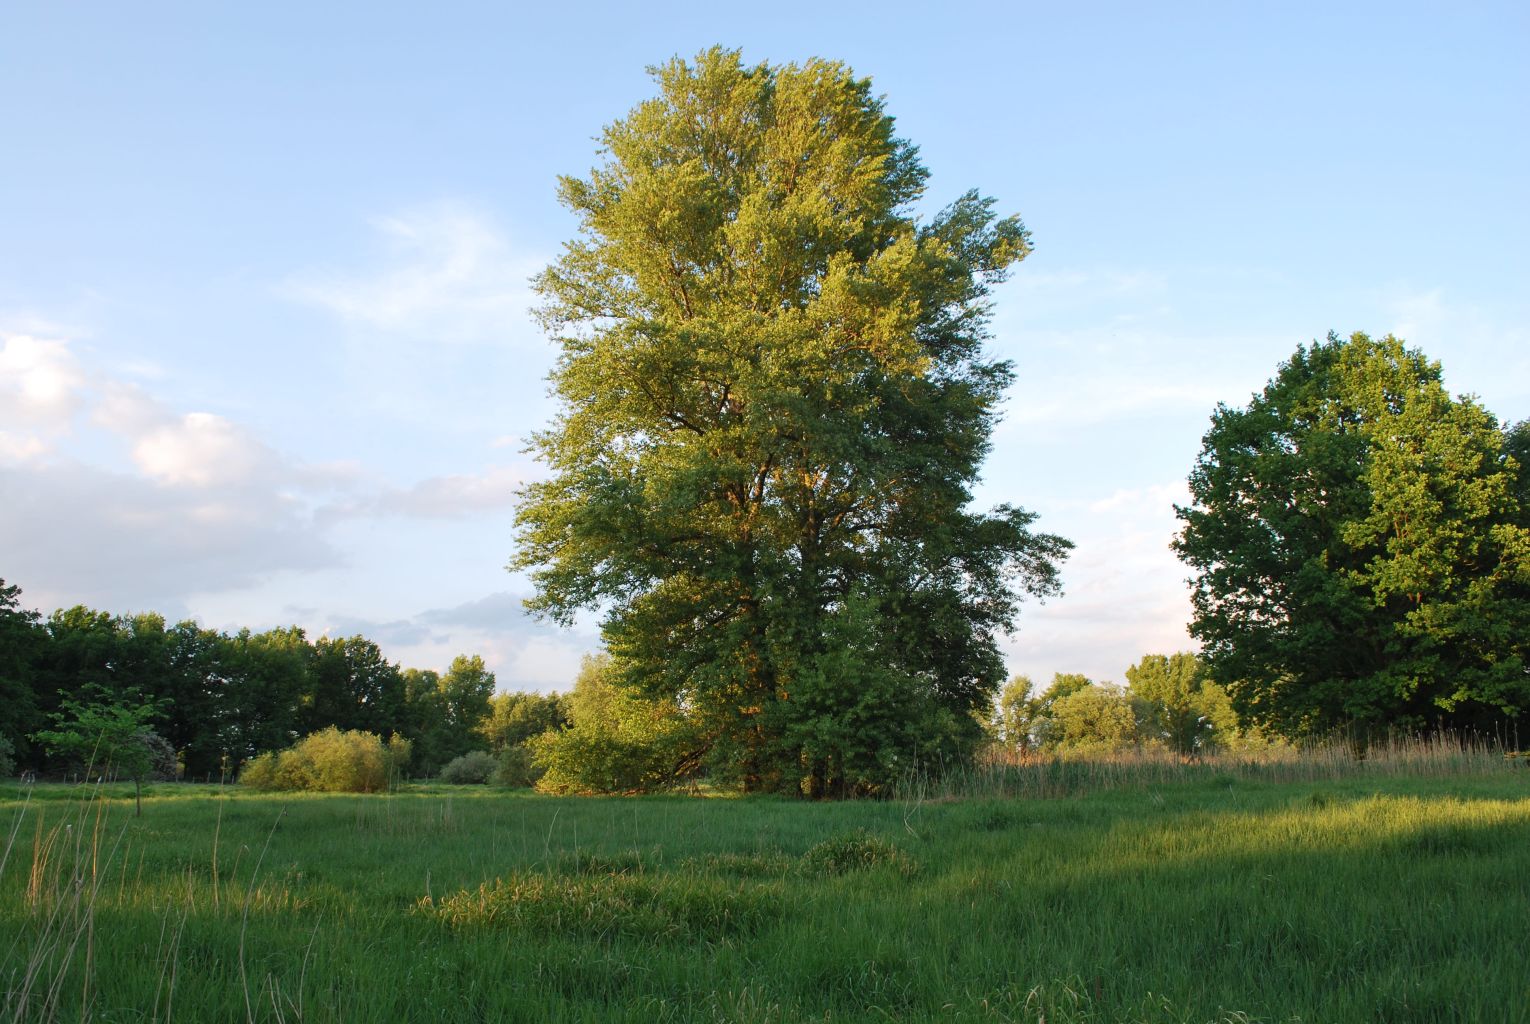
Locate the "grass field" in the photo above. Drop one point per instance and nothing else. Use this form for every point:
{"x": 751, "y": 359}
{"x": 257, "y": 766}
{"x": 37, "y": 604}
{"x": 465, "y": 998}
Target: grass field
{"x": 1208, "y": 897}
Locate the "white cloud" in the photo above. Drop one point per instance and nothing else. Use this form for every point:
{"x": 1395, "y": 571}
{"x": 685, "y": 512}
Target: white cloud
{"x": 448, "y": 275}
{"x": 201, "y": 449}
{"x": 524, "y": 653}
{"x": 21, "y": 447}
{"x": 40, "y": 381}
{"x": 126, "y": 410}
{"x": 114, "y": 498}
{"x": 455, "y": 496}
{"x": 81, "y": 534}
{"x": 446, "y": 497}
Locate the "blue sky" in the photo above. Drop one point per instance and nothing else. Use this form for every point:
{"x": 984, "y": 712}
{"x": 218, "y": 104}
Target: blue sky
{"x": 265, "y": 355}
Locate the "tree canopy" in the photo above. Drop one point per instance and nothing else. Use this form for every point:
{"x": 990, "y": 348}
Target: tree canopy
{"x": 774, "y": 400}
{"x": 1361, "y": 548}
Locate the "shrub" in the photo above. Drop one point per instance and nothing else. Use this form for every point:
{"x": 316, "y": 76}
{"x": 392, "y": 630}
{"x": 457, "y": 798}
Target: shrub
{"x": 515, "y": 769}
{"x": 473, "y": 768}
{"x": 329, "y": 761}
{"x": 259, "y": 772}
{"x": 7, "y": 758}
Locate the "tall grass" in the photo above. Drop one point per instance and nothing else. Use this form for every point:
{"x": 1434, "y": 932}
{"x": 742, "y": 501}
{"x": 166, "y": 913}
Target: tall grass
{"x": 1361, "y": 895}
{"x": 1004, "y": 774}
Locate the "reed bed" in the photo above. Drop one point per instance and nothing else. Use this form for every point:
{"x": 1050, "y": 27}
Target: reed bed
{"x": 1012, "y": 775}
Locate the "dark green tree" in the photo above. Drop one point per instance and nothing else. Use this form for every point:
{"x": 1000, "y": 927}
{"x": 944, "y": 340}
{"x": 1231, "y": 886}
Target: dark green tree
{"x": 1360, "y": 548}
{"x": 21, "y": 643}
{"x": 445, "y": 713}
{"x": 774, "y": 402}
{"x": 261, "y": 694}
{"x": 352, "y": 686}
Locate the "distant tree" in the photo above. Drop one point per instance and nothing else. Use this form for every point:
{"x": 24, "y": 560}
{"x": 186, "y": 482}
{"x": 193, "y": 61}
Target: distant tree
{"x": 1096, "y": 718}
{"x": 80, "y": 651}
{"x": 515, "y": 718}
{"x": 775, "y": 399}
{"x": 1064, "y": 684}
{"x": 446, "y": 713}
{"x": 1361, "y": 548}
{"x": 465, "y": 693}
{"x": 1177, "y": 703}
{"x": 265, "y": 677}
{"x": 1016, "y": 716}
{"x": 110, "y": 734}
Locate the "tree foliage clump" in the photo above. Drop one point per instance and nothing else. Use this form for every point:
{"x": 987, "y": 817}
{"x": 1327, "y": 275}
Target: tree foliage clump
{"x": 1170, "y": 703}
{"x": 1361, "y": 547}
{"x": 617, "y": 740}
{"x": 328, "y": 761}
{"x": 1179, "y": 705}
{"x": 774, "y": 402}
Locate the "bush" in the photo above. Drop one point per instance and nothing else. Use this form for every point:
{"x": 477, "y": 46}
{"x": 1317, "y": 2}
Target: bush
{"x": 473, "y": 768}
{"x": 330, "y": 761}
{"x": 259, "y": 772}
{"x": 515, "y": 769}
{"x": 7, "y": 758}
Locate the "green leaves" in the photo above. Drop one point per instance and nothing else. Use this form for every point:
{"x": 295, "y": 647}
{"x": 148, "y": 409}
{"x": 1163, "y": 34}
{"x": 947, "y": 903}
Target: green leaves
{"x": 1361, "y": 547}
{"x": 774, "y": 400}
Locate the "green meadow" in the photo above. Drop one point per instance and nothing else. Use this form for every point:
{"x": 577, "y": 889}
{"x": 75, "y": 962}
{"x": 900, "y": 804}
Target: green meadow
{"x": 1210, "y": 896}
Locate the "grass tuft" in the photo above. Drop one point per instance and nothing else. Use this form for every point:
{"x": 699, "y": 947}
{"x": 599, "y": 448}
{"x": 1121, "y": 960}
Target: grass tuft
{"x": 595, "y": 906}
{"x": 857, "y": 851}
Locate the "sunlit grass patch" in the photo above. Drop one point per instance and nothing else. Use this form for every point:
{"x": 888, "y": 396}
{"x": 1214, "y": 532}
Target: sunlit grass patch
{"x": 857, "y": 851}
{"x": 602, "y": 906}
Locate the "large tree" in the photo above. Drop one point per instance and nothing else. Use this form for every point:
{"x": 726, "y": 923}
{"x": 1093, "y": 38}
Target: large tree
{"x": 774, "y": 402}
{"x": 1360, "y": 548}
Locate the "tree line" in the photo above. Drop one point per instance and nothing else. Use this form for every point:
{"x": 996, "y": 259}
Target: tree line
{"x": 219, "y": 699}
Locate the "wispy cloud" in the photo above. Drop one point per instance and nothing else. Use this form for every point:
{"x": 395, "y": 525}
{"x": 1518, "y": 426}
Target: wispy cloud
{"x": 443, "y": 273}
{"x": 1124, "y": 593}
{"x": 454, "y": 496}
{"x": 1478, "y": 355}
